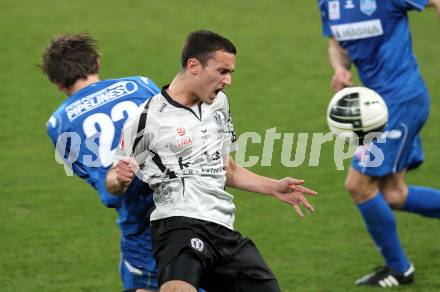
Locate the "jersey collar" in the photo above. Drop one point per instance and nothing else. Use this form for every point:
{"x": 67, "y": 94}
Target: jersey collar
{"x": 179, "y": 105}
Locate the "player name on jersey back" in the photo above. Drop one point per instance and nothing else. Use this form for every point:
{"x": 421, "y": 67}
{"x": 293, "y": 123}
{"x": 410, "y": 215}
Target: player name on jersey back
{"x": 99, "y": 98}
{"x": 357, "y": 30}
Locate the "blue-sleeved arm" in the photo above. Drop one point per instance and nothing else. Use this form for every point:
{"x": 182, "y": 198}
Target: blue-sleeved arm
{"x": 323, "y": 10}
{"x": 67, "y": 144}
{"x": 149, "y": 86}
{"x": 407, "y": 5}
{"x": 52, "y": 129}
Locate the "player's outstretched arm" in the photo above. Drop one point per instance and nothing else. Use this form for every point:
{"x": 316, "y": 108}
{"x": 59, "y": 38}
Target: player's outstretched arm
{"x": 436, "y": 5}
{"x": 120, "y": 176}
{"x": 341, "y": 64}
{"x": 288, "y": 190}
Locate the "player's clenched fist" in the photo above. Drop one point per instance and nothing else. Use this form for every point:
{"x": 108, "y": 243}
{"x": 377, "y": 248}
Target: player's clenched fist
{"x": 125, "y": 171}
{"x": 120, "y": 175}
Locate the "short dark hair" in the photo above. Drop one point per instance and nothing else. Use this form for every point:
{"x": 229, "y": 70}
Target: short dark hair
{"x": 202, "y": 44}
{"x": 69, "y": 58}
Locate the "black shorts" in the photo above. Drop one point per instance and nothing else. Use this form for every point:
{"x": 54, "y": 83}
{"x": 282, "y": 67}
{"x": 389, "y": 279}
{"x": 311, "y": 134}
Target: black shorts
{"x": 209, "y": 256}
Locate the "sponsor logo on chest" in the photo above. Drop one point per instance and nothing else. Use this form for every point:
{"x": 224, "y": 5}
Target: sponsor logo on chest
{"x": 181, "y": 131}
{"x": 357, "y": 30}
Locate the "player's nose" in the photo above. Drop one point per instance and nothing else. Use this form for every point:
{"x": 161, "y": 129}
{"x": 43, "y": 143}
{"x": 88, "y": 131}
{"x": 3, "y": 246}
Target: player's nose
{"x": 227, "y": 80}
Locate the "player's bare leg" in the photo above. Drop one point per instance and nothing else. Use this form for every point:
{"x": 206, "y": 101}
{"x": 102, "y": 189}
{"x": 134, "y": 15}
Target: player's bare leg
{"x": 394, "y": 189}
{"x": 371, "y": 201}
{"x": 420, "y": 200}
{"x": 360, "y": 186}
{"x": 177, "y": 286}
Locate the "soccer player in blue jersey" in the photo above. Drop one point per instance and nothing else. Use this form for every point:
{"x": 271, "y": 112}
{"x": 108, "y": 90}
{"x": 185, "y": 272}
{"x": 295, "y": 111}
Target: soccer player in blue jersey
{"x": 374, "y": 35}
{"x": 85, "y": 130}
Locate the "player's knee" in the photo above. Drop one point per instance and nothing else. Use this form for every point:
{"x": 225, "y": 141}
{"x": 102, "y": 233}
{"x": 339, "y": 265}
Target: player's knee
{"x": 177, "y": 286}
{"x": 140, "y": 290}
{"x": 351, "y": 186}
{"x": 359, "y": 191}
{"x": 394, "y": 197}
{"x": 395, "y": 192}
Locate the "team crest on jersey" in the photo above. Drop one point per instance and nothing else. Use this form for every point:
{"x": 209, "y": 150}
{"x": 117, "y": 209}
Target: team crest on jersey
{"x": 219, "y": 118}
{"x": 334, "y": 11}
{"x": 368, "y": 7}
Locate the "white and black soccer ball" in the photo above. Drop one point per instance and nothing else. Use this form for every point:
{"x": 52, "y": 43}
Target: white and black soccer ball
{"x": 356, "y": 111}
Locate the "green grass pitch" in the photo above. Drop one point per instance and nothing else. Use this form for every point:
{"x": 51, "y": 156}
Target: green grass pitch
{"x": 54, "y": 233}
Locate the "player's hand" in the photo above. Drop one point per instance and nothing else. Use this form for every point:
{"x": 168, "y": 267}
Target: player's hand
{"x": 341, "y": 79}
{"x": 291, "y": 191}
{"x": 125, "y": 170}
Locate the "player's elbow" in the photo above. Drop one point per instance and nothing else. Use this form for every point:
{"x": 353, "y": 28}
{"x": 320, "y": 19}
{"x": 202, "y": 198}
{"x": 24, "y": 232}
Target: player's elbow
{"x": 231, "y": 170}
{"x": 433, "y": 3}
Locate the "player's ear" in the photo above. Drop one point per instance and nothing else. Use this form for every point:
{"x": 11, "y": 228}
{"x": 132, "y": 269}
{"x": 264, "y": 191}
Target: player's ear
{"x": 59, "y": 85}
{"x": 98, "y": 64}
{"x": 193, "y": 65}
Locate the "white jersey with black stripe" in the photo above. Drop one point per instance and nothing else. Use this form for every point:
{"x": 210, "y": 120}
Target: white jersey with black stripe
{"x": 182, "y": 153}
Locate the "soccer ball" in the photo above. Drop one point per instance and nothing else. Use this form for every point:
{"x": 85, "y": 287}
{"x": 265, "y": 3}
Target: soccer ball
{"x": 355, "y": 112}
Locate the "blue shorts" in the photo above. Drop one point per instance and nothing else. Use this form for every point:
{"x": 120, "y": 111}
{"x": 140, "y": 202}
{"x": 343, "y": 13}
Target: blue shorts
{"x": 400, "y": 145}
{"x": 138, "y": 267}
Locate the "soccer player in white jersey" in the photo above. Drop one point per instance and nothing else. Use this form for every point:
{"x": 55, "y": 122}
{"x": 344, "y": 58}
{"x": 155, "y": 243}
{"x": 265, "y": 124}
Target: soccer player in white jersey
{"x": 180, "y": 144}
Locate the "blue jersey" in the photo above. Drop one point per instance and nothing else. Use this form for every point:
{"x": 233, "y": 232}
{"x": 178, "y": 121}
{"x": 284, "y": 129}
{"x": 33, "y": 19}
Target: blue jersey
{"x": 376, "y": 35}
{"x": 86, "y": 129}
